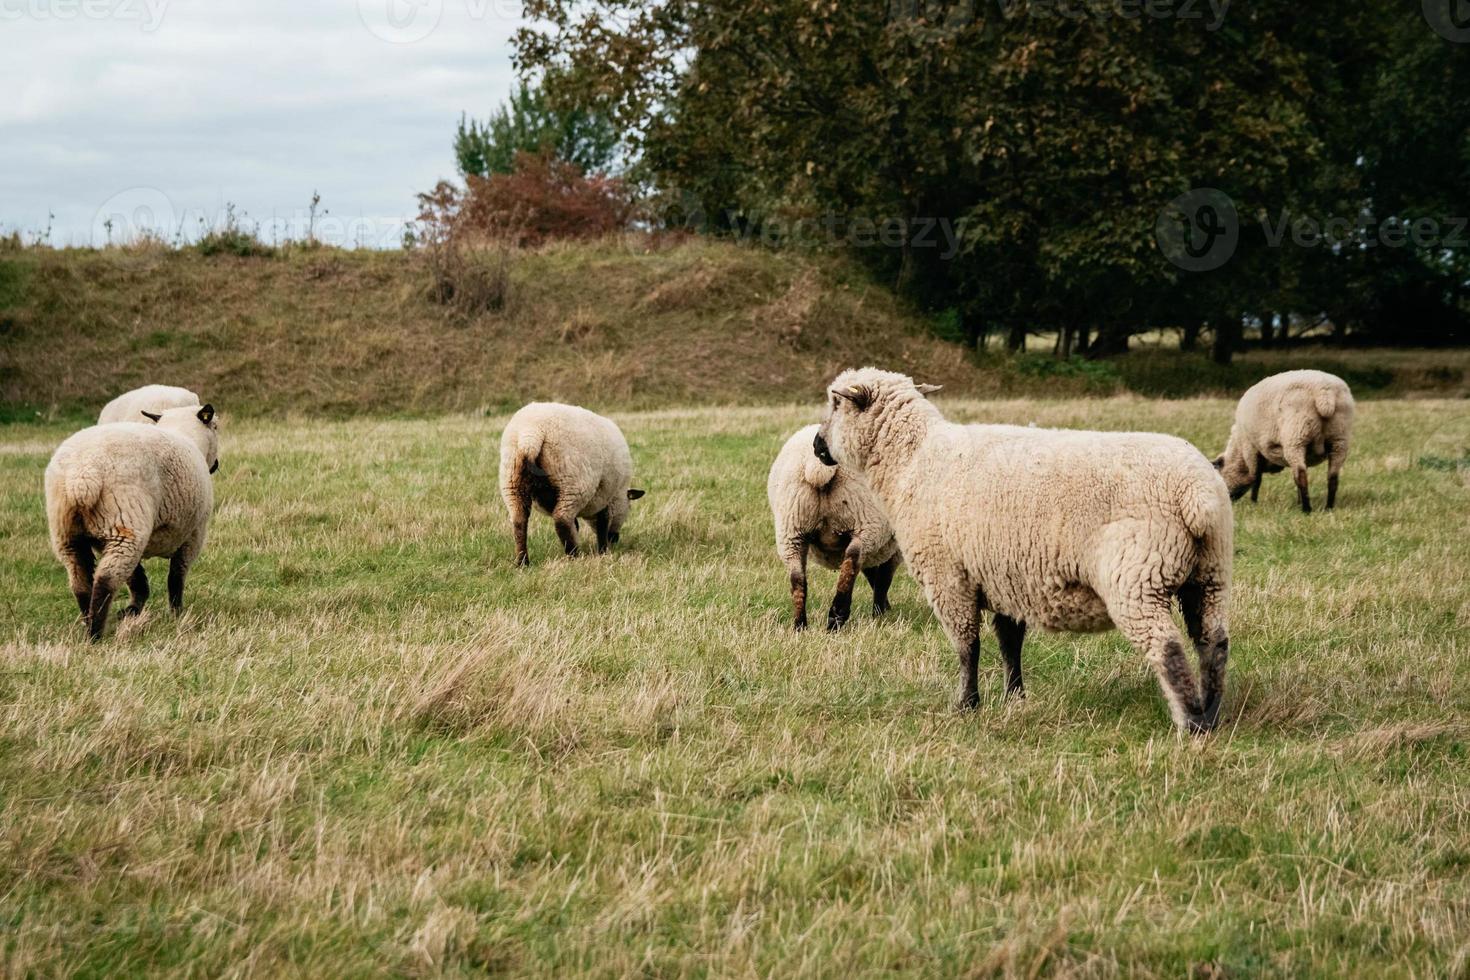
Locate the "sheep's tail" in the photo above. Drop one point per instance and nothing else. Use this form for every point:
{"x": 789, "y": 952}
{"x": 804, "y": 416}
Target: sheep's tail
{"x": 1325, "y": 399}
{"x": 1205, "y": 507}
{"x": 518, "y": 462}
{"x": 816, "y": 472}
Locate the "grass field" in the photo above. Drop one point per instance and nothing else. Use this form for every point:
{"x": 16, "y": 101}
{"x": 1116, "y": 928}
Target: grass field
{"x": 371, "y": 746}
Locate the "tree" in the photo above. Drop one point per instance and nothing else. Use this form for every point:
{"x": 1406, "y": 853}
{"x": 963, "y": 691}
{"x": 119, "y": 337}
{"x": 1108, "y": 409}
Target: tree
{"x": 527, "y": 124}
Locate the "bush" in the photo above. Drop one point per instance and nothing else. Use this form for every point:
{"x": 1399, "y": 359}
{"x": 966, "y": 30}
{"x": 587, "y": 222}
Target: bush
{"x": 469, "y": 267}
{"x": 233, "y": 238}
{"x": 544, "y": 199}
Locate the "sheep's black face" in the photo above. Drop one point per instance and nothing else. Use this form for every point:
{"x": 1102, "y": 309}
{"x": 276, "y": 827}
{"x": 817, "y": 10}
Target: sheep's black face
{"x": 819, "y": 446}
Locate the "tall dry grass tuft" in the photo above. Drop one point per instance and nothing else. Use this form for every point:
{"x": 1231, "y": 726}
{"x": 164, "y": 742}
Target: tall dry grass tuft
{"x": 514, "y": 679}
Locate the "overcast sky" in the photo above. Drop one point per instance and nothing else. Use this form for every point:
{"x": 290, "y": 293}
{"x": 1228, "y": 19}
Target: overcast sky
{"x": 159, "y": 112}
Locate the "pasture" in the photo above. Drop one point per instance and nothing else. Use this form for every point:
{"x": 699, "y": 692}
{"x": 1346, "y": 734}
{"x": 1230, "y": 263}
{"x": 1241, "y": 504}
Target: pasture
{"x": 372, "y": 746}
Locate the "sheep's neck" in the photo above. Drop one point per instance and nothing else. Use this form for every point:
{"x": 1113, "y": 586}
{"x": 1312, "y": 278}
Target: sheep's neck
{"x": 898, "y": 439}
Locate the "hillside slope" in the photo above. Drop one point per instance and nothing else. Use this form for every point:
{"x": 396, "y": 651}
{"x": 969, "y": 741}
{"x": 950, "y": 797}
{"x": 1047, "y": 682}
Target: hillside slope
{"x": 330, "y": 332}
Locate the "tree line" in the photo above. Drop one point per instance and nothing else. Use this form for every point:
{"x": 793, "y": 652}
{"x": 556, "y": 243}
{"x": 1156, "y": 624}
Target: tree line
{"x": 1091, "y": 169}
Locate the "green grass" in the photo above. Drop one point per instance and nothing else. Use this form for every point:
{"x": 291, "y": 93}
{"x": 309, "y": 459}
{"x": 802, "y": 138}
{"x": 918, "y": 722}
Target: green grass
{"x": 371, "y": 746}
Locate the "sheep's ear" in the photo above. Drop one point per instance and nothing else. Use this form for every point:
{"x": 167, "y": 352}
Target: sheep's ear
{"x": 1219, "y": 462}
{"x": 635, "y": 494}
{"x": 206, "y": 414}
{"x": 929, "y": 389}
{"x": 859, "y": 395}
{"x": 153, "y": 417}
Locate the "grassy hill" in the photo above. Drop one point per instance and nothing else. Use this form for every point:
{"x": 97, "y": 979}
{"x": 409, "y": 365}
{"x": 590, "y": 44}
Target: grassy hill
{"x": 330, "y": 332}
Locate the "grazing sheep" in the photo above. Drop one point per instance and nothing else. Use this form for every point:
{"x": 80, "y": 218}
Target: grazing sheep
{"x": 131, "y": 490}
{"x": 833, "y": 514}
{"x": 130, "y": 407}
{"x": 1295, "y": 419}
{"x": 1050, "y": 528}
{"x": 570, "y": 463}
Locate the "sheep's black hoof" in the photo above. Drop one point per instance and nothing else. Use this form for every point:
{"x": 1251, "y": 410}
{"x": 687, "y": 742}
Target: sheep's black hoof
{"x": 970, "y": 702}
{"x": 835, "y": 619}
{"x": 880, "y": 608}
{"x": 522, "y": 561}
{"x": 132, "y": 611}
{"x": 800, "y": 624}
{"x": 1016, "y": 694}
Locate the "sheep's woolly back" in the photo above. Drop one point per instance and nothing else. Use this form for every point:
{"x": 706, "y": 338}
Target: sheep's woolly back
{"x": 1292, "y": 418}
{"x": 130, "y": 407}
{"x": 1057, "y": 528}
{"x": 823, "y": 506}
{"x": 583, "y": 455}
{"x": 133, "y": 482}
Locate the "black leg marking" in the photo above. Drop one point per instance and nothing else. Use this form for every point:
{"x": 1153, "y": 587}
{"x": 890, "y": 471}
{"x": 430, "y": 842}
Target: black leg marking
{"x": 798, "y": 598}
{"x": 1256, "y": 487}
{"x": 970, "y": 664}
{"x": 880, "y": 579}
{"x": 1331, "y": 491}
{"x": 1011, "y": 634}
{"x": 567, "y": 531}
{"x": 138, "y": 586}
{"x": 178, "y": 570}
{"x": 97, "y": 613}
{"x": 841, "y": 607}
{"x": 1300, "y": 476}
{"x": 600, "y": 522}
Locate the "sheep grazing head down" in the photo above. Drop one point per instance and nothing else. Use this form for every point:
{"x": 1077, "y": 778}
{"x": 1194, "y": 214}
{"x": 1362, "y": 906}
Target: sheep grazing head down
{"x": 198, "y": 425}
{"x": 862, "y": 405}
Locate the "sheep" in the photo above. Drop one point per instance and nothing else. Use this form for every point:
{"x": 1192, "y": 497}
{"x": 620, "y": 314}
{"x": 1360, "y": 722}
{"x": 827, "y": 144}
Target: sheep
{"x": 131, "y": 407}
{"x": 1050, "y": 528}
{"x": 832, "y": 513}
{"x": 131, "y": 490}
{"x": 570, "y": 463}
{"x": 1295, "y": 419}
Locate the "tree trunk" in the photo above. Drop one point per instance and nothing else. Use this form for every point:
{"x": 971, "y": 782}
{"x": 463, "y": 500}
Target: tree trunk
{"x": 975, "y": 327}
{"x": 1190, "y": 340}
{"x": 1112, "y": 338}
{"x": 1081, "y": 345}
{"x": 1064, "y": 341}
{"x": 1227, "y": 338}
{"x": 1016, "y": 339}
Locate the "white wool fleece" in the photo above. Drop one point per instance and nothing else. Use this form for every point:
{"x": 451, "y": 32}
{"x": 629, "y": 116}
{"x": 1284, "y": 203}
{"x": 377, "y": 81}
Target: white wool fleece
{"x": 570, "y": 463}
{"x": 1058, "y": 529}
{"x": 130, "y": 407}
{"x": 824, "y": 506}
{"x": 134, "y": 490}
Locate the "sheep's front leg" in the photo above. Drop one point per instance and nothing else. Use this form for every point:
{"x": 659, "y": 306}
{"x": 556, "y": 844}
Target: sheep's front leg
{"x": 566, "y": 530}
{"x": 1011, "y": 634}
{"x": 1256, "y": 487}
{"x": 1297, "y": 460}
{"x": 841, "y": 607}
{"x": 958, "y": 610}
{"x": 880, "y": 579}
{"x": 602, "y": 523}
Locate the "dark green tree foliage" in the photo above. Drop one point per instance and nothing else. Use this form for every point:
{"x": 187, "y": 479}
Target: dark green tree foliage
{"x": 1048, "y": 144}
{"x": 527, "y": 124}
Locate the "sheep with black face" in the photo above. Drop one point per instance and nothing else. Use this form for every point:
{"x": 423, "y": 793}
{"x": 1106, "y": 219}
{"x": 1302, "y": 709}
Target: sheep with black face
{"x": 1056, "y": 529}
{"x": 831, "y": 514}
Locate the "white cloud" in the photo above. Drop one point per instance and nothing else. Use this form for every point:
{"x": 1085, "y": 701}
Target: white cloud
{"x": 255, "y": 102}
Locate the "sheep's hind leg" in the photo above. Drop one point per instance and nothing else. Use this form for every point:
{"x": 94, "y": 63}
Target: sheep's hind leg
{"x": 1203, "y": 606}
{"x": 1011, "y": 634}
{"x": 1336, "y": 456}
{"x": 138, "y": 586}
{"x": 793, "y": 553}
{"x": 1148, "y": 626}
{"x": 880, "y": 579}
{"x": 120, "y": 555}
{"x": 841, "y": 607}
{"x": 81, "y": 567}
{"x": 519, "y": 501}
